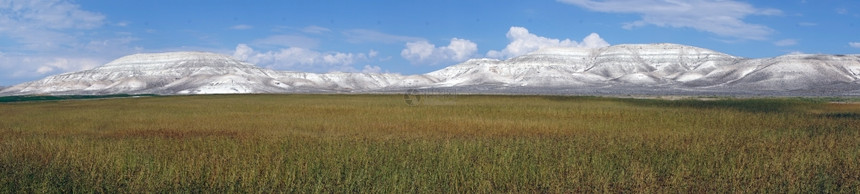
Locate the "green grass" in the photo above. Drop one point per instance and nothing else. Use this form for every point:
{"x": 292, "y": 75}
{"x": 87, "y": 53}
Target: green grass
{"x": 379, "y": 144}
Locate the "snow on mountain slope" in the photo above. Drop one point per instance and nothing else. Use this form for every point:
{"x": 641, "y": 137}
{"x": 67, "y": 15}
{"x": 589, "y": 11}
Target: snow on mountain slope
{"x": 667, "y": 66}
{"x": 339, "y": 81}
{"x": 193, "y": 73}
{"x": 652, "y": 68}
{"x": 141, "y": 73}
{"x": 666, "y": 62}
{"x": 621, "y": 64}
{"x": 792, "y": 72}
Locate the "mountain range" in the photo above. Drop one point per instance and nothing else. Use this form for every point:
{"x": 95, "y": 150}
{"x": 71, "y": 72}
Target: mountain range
{"x": 629, "y": 69}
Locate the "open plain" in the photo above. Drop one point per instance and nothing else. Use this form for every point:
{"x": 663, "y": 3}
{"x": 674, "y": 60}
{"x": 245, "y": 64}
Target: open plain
{"x": 461, "y": 143}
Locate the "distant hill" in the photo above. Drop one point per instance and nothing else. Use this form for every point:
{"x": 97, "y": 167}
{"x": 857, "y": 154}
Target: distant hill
{"x": 654, "y": 69}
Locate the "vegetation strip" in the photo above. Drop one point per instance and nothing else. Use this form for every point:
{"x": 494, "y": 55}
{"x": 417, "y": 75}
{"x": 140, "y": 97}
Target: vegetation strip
{"x": 65, "y": 97}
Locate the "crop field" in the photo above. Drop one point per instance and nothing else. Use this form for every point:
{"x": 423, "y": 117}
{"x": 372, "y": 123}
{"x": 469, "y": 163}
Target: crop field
{"x": 462, "y": 144}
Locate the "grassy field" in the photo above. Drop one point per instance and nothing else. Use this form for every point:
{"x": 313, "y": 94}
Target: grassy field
{"x": 378, "y": 143}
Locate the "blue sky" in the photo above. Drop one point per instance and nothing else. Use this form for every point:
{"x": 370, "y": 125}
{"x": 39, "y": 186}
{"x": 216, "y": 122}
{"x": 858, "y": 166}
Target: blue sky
{"x": 39, "y": 38}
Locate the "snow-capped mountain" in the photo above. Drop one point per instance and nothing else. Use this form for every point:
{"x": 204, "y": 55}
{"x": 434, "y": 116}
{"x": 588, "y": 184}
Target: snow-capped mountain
{"x": 196, "y": 73}
{"x": 164, "y": 73}
{"x": 658, "y": 64}
{"x": 660, "y": 69}
{"x": 621, "y": 69}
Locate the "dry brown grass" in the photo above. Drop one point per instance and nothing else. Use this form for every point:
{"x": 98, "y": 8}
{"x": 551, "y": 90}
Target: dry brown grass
{"x": 376, "y": 143}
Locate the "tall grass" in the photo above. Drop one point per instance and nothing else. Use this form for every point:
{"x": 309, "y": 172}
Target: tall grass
{"x": 377, "y": 143}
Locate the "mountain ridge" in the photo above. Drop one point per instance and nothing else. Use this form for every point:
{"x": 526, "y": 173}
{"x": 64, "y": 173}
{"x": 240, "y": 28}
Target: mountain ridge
{"x": 656, "y": 69}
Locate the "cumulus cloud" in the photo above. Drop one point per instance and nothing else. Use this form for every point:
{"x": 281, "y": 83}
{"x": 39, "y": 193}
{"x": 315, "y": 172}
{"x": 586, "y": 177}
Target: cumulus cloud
{"x": 721, "y": 17}
{"x": 785, "y": 42}
{"x": 423, "y": 52}
{"x": 300, "y": 59}
{"x": 854, "y": 44}
{"x": 523, "y": 42}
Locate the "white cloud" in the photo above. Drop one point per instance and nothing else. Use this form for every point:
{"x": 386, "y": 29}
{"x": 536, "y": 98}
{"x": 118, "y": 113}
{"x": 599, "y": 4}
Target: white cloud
{"x": 51, "y": 14}
{"x": 39, "y": 24}
{"x": 418, "y": 50}
{"x": 112, "y": 45}
{"x": 854, "y": 44}
{"x": 523, "y": 42}
{"x": 423, "y": 52}
{"x": 593, "y": 40}
{"x": 300, "y": 59}
{"x": 55, "y": 36}
{"x": 287, "y": 41}
{"x": 371, "y": 69}
{"x": 241, "y": 27}
{"x": 244, "y": 52}
{"x": 364, "y": 35}
{"x": 67, "y": 64}
{"x": 16, "y": 68}
{"x": 315, "y": 30}
{"x": 721, "y": 17}
{"x": 785, "y": 42}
